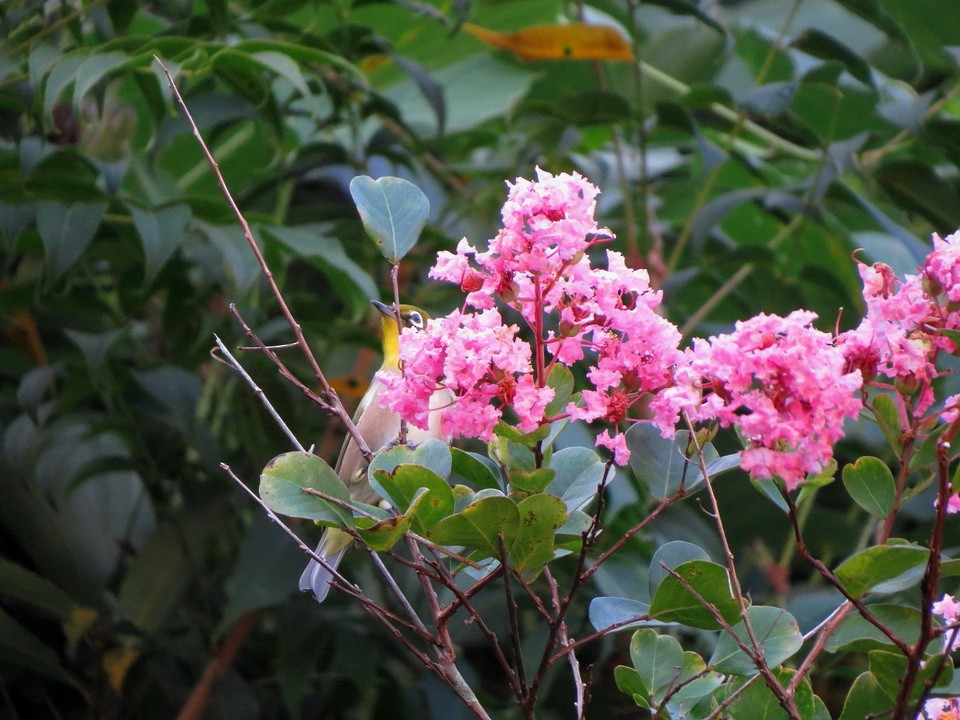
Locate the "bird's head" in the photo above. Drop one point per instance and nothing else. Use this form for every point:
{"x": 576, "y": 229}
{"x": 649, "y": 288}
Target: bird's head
{"x": 410, "y": 317}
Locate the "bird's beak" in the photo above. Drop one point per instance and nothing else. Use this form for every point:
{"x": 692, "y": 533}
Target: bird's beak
{"x": 384, "y": 309}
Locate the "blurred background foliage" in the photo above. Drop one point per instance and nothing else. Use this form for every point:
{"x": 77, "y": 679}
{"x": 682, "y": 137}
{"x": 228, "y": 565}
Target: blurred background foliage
{"x": 743, "y": 157}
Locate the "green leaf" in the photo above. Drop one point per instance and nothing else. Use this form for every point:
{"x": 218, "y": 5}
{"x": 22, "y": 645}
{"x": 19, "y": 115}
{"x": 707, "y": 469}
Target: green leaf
{"x": 561, "y": 380}
{"x": 24, "y": 587}
{"x": 67, "y": 231}
{"x": 432, "y": 454}
{"x": 629, "y": 682}
{"x": 775, "y": 629}
{"x": 93, "y": 69}
{"x": 668, "y": 556}
{"x": 479, "y": 526}
{"x": 865, "y": 699}
{"x": 673, "y": 602}
{"x": 658, "y": 659}
{"x": 889, "y": 668}
{"x": 757, "y": 702}
{"x": 160, "y": 231}
{"x": 284, "y": 478}
{"x": 608, "y": 611}
{"x": 871, "y": 485}
{"x": 855, "y": 634}
{"x": 661, "y": 464}
{"x": 404, "y": 486}
{"x": 393, "y": 212}
{"x": 826, "y": 47}
{"x": 475, "y": 469}
{"x": 885, "y": 412}
{"x": 925, "y": 456}
{"x": 383, "y": 535}
{"x": 533, "y": 480}
{"x": 579, "y": 473}
{"x": 878, "y": 564}
{"x": 540, "y": 518}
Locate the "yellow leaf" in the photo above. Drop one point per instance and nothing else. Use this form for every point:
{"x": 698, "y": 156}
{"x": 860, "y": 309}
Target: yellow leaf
{"x": 80, "y": 620}
{"x": 572, "y": 41}
{"x": 117, "y": 663}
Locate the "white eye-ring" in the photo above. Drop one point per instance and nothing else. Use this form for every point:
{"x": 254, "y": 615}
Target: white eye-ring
{"x": 415, "y": 320}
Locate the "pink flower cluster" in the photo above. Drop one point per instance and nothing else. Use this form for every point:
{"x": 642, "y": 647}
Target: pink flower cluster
{"x": 780, "y": 382}
{"x": 538, "y": 265}
{"x": 948, "y": 610}
{"x": 785, "y": 386}
{"x": 480, "y": 361}
{"x": 900, "y": 337}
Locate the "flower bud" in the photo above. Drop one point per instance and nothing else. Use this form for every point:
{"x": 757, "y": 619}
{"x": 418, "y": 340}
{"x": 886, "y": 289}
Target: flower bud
{"x": 907, "y": 385}
{"x": 931, "y": 286}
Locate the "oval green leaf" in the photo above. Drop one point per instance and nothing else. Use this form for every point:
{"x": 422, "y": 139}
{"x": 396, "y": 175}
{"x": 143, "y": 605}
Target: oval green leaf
{"x": 878, "y": 564}
{"x": 479, "y": 526}
{"x": 871, "y": 485}
{"x": 284, "y": 479}
{"x": 393, "y": 212}
{"x": 540, "y": 518}
{"x": 405, "y": 485}
{"x": 674, "y": 601}
{"x": 658, "y": 659}
{"x": 670, "y": 555}
{"x": 775, "y": 629}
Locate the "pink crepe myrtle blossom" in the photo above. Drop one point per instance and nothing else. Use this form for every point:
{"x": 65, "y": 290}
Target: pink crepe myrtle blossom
{"x": 538, "y": 265}
{"x": 940, "y": 709}
{"x": 780, "y": 382}
{"x": 948, "y": 610}
{"x": 483, "y": 364}
{"x": 942, "y": 266}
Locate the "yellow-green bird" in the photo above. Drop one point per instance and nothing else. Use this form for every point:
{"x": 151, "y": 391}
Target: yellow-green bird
{"x": 378, "y": 427}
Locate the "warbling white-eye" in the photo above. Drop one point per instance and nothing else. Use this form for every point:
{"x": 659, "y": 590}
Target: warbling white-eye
{"x": 379, "y": 427}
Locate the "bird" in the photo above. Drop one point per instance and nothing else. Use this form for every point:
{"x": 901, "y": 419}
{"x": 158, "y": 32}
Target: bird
{"x": 379, "y": 427}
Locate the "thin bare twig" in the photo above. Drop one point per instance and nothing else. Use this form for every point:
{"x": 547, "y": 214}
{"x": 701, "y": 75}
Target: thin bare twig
{"x": 333, "y": 403}
{"x": 260, "y": 394}
{"x": 514, "y": 628}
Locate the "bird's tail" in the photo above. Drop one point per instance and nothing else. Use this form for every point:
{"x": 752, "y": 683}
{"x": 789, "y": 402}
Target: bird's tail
{"x": 316, "y": 578}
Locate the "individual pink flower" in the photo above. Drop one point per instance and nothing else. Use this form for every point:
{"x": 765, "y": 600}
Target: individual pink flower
{"x": 780, "y": 382}
{"x": 951, "y": 409}
{"x": 953, "y": 504}
{"x": 948, "y": 610}
{"x": 941, "y": 709}
{"x": 617, "y": 444}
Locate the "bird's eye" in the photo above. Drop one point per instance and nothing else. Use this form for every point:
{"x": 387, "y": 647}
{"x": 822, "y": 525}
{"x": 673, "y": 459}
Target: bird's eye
{"x": 415, "y": 320}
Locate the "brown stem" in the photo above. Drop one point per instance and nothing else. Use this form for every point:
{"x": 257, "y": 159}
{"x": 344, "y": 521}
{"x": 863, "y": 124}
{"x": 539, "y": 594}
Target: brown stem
{"x": 217, "y": 666}
{"x": 828, "y": 575}
{"x": 514, "y": 632}
{"x": 931, "y": 576}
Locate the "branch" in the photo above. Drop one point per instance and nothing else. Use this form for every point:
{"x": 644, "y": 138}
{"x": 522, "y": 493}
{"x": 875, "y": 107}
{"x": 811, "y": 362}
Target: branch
{"x": 259, "y": 393}
{"x": 334, "y": 404}
{"x": 828, "y": 575}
